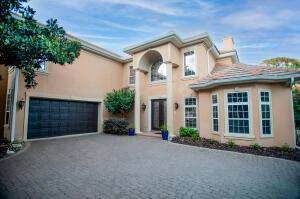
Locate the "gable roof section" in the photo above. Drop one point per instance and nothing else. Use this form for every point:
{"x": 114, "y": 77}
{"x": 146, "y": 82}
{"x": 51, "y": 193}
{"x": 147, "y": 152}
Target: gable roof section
{"x": 98, "y": 50}
{"x": 173, "y": 38}
{"x": 242, "y": 73}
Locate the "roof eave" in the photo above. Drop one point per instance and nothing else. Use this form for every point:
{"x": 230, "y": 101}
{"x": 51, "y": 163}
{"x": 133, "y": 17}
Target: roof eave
{"x": 244, "y": 80}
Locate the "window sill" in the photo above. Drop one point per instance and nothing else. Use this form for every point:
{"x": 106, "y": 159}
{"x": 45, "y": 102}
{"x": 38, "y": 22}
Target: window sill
{"x": 266, "y": 136}
{"x": 6, "y": 126}
{"x": 215, "y": 133}
{"x": 239, "y": 136}
{"x": 189, "y": 77}
{"x": 42, "y": 72}
{"x": 157, "y": 83}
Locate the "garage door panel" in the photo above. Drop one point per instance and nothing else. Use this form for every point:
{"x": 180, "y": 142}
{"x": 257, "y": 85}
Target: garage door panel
{"x": 49, "y": 117}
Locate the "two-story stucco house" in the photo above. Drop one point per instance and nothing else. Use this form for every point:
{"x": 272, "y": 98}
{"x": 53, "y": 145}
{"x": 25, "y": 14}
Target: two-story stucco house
{"x": 178, "y": 82}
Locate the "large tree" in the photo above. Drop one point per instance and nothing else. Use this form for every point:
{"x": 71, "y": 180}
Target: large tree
{"x": 285, "y": 62}
{"x": 26, "y": 44}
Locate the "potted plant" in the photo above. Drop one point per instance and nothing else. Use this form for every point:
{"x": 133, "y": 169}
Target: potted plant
{"x": 164, "y": 132}
{"x": 131, "y": 130}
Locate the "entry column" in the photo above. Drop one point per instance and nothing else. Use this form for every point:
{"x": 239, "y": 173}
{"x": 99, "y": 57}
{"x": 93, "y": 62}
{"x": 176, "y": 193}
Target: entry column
{"x": 170, "y": 107}
{"x": 137, "y": 102}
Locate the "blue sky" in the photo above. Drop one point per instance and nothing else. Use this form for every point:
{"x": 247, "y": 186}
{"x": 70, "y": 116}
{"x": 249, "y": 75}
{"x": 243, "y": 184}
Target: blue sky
{"x": 261, "y": 28}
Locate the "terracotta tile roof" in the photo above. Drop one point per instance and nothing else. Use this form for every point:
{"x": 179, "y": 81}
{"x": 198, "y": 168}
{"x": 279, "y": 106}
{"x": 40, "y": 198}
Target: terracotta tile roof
{"x": 242, "y": 73}
{"x": 221, "y": 71}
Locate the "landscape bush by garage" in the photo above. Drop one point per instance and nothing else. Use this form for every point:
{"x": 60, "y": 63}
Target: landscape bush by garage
{"x": 116, "y": 126}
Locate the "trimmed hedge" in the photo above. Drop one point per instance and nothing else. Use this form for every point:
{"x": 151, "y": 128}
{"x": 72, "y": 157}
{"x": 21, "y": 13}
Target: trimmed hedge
{"x": 116, "y": 126}
{"x": 187, "y": 132}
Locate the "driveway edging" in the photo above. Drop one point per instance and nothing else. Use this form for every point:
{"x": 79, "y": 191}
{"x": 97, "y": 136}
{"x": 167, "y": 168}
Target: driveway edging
{"x": 235, "y": 152}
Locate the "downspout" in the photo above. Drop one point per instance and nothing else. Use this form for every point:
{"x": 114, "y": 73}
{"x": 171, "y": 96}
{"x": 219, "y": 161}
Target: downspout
{"x": 208, "y": 60}
{"x": 16, "y": 91}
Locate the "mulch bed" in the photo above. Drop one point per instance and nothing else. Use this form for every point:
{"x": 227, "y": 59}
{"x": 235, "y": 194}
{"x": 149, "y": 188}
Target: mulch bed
{"x": 263, "y": 151}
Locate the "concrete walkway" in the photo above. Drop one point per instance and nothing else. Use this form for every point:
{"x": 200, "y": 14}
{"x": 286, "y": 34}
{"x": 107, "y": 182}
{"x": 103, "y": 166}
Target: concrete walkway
{"x": 104, "y": 166}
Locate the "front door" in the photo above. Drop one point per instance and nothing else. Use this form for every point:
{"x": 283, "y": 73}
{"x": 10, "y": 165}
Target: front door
{"x": 158, "y": 113}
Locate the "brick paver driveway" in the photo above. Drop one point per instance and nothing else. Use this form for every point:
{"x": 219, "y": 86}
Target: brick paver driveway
{"x": 103, "y": 166}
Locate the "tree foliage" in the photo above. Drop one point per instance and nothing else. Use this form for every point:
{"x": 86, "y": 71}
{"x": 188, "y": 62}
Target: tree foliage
{"x": 26, "y": 44}
{"x": 285, "y": 62}
{"x": 296, "y": 100}
{"x": 120, "y": 101}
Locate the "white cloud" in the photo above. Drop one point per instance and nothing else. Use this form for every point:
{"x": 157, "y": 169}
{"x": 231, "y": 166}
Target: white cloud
{"x": 94, "y": 36}
{"x": 257, "y": 45}
{"x": 258, "y": 19}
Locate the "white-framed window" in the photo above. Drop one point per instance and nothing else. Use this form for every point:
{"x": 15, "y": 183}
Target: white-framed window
{"x": 8, "y": 107}
{"x": 158, "y": 71}
{"x": 215, "y": 112}
{"x": 189, "y": 63}
{"x": 190, "y": 112}
{"x": 265, "y": 113}
{"x": 131, "y": 75}
{"x": 238, "y": 113}
{"x": 44, "y": 67}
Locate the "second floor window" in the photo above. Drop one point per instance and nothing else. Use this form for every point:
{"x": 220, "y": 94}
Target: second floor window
{"x": 131, "y": 75}
{"x": 44, "y": 67}
{"x": 189, "y": 63}
{"x": 158, "y": 71}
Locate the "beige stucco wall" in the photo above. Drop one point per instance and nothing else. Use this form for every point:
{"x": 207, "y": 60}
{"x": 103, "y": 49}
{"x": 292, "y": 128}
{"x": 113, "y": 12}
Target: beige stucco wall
{"x": 152, "y": 90}
{"x": 282, "y": 113}
{"x": 89, "y": 77}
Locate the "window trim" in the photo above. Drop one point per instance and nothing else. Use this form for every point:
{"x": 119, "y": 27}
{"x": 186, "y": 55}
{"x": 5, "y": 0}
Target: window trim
{"x": 239, "y": 135}
{"x": 9, "y": 92}
{"x": 130, "y": 76}
{"x": 260, "y": 113}
{"x": 212, "y": 113}
{"x": 41, "y": 71}
{"x": 183, "y": 63}
{"x": 184, "y": 106}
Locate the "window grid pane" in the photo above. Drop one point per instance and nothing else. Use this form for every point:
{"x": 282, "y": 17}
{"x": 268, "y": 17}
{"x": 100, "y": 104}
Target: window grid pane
{"x": 215, "y": 111}
{"x": 190, "y": 112}
{"x": 265, "y": 107}
{"x": 238, "y": 112}
{"x": 131, "y": 75}
{"x": 158, "y": 71}
{"x": 189, "y": 63}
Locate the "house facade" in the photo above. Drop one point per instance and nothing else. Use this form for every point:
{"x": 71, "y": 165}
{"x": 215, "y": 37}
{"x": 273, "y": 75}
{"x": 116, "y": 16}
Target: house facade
{"x": 178, "y": 83}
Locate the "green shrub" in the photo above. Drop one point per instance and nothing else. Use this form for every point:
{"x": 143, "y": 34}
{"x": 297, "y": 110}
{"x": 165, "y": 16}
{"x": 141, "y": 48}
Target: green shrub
{"x": 195, "y": 137}
{"x": 116, "y": 126}
{"x": 164, "y": 128}
{"x": 255, "y": 146}
{"x": 212, "y": 141}
{"x": 120, "y": 101}
{"x": 187, "y": 132}
{"x": 286, "y": 148}
{"x": 231, "y": 143}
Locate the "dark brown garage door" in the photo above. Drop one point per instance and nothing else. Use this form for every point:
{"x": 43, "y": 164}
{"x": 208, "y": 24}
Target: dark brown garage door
{"x": 50, "y": 117}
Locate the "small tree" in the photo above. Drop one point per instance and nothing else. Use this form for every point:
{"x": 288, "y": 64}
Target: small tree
{"x": 285, "y": 62}
{"x": 120, "y": 101}
{"x": 26, "y": 44}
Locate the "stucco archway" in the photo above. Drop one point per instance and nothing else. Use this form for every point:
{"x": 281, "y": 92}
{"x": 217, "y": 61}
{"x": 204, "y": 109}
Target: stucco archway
{"x": 148, "y": 59}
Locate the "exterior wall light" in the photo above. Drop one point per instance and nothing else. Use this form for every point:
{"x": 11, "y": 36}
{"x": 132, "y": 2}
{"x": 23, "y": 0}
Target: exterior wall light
{"x": 21, "y": 103}
{"x": 176, "y": 105}
{"x": 143, "y": 106}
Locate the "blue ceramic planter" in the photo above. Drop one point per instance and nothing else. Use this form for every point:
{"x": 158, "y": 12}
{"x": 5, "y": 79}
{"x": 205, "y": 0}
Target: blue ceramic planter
{"x": 165, "y": 135}
{"x": 131, "y": 132}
